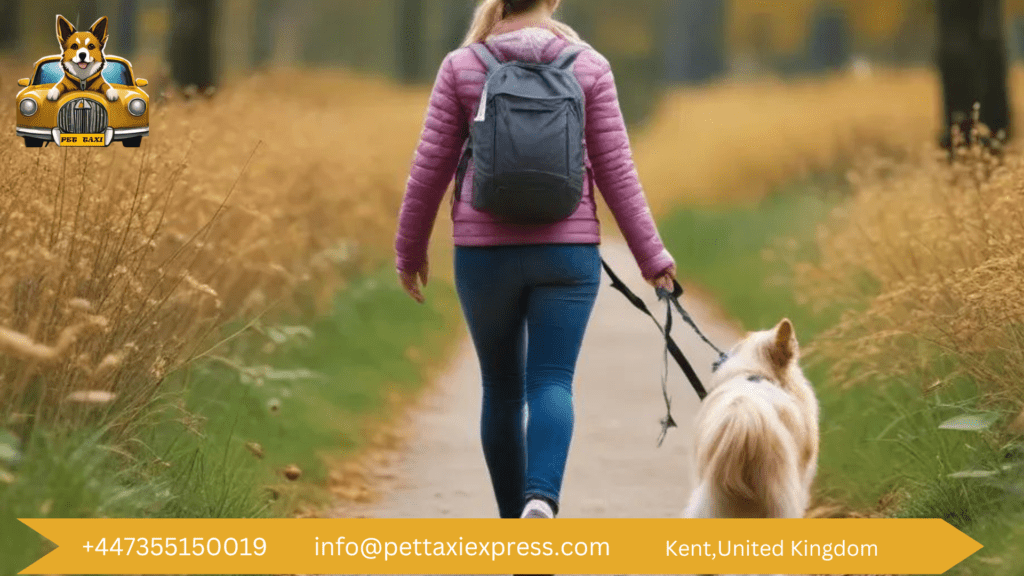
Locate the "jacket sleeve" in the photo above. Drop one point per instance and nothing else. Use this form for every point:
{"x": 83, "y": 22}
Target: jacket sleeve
{"x": 616, "y": 176}
{"x": 445, "y": 130}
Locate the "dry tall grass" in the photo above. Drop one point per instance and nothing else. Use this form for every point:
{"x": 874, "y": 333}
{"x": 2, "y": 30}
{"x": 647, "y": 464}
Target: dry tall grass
{"x": 927, "y": 261}
{"x": 737, "y": 141}
{"x": 120, "y": 264}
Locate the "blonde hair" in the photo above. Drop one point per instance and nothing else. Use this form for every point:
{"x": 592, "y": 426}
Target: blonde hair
{"x": 490, "y": 12}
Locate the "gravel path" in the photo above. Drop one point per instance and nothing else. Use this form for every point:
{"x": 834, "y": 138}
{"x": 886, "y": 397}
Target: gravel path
{"x": 615, "y": 469}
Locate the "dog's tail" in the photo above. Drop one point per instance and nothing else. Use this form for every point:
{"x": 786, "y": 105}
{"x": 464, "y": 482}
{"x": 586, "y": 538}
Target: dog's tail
{"x": 743, "y": 454}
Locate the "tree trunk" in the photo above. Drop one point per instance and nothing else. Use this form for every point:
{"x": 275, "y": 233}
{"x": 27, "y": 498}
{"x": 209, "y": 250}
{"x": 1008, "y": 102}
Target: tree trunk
{"x": 973, "y": 63}
{"x": 264, "y": 16}
{"x": 88, "y": 12}
{"x": 695, "y": 41}
{"x": 10, "y": 25}
{"x": 192, "y": 54}
{"x": 126, "y": 24}
{"x": 829, "y": 40}
{"x": 409, "y": 45}
{"x": 460, "y": 14}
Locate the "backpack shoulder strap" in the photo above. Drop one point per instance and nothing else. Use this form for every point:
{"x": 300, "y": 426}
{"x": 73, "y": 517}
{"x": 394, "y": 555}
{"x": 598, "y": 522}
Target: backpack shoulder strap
{"x": 484, "y": 54}
{"x": 567, "y": 58}
{"x": 487, "y": 57}
{"x": 463, "y": 168}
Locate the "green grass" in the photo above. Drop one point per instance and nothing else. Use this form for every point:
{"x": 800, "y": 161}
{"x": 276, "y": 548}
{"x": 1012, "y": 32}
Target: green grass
{"x": 192, "y": 460}
{"x": 357, "y": 356}
{"x": 876, "y": 441}
{"x": 78, "y": 475}
{"x": 721, "y": 248}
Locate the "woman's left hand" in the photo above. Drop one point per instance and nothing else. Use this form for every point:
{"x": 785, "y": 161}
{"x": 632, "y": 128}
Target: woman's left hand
{"x": 666, "y": 281}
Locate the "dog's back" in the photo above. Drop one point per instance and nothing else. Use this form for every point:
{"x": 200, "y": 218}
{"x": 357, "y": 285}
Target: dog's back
{"x": 756, "y": 442}
{"x": 747, "y": 457}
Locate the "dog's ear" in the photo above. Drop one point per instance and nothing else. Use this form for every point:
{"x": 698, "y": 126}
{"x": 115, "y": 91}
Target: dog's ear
{"x": 64, "y": 29}
{"x": 784, "y": 348}
{"x": 99, "y": 30}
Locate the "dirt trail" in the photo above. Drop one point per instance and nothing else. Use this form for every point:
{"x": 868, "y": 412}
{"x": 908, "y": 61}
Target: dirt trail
{"x": 615, "y": 469}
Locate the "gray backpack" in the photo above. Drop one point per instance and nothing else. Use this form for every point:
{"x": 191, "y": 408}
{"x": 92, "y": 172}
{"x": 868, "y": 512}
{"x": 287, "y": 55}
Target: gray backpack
{"x": 527, "y": 140}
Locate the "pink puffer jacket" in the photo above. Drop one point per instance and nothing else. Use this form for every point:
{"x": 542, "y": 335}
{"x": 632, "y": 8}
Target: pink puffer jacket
{"x": 457, "y": 93}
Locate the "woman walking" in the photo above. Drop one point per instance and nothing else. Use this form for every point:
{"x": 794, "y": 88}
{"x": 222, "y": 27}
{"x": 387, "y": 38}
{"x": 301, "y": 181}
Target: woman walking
{"x": 527, "y": 288}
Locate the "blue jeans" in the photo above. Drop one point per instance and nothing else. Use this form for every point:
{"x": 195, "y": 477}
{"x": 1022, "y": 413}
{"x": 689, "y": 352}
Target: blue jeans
{"x": 546, "y": 292}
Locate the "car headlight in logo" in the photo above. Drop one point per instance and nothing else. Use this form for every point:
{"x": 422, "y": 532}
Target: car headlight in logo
{"x": 137, "y": 107}
{"x": 28, "y": 107}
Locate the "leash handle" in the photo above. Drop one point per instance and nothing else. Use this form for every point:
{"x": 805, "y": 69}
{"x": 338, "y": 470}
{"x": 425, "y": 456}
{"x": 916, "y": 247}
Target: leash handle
{"x": 673, "y": 301}
{"x": 677, "y": 291}
{"x": 670, "y": 343}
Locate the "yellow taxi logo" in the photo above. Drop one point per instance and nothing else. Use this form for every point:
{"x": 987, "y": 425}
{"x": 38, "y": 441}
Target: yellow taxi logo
{"x": 81, "y": 140}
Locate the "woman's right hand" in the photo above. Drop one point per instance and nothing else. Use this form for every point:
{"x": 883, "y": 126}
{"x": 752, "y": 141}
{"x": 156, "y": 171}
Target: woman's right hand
{"x": 411, "y": 282}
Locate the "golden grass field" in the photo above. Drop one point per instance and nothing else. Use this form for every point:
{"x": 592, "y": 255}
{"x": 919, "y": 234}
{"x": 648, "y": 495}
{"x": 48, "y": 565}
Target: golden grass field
{"x": 737, "y": 141}
{"x": 927, "y": 261}
{"x": 119, "y": 264}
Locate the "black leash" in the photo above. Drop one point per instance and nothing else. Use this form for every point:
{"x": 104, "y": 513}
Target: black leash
{"x": 671, "y": 348}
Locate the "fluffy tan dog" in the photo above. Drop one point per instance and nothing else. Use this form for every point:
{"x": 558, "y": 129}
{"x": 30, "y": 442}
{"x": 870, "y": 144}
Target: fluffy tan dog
{"x": 756, "y": 450}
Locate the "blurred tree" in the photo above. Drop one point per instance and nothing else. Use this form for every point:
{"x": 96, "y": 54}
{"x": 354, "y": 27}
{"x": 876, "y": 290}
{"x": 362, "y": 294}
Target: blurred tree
{"x": 262, "y": 31}
{"x": 973, "y": 63}
{"x": 409, "y": 48}
{"x": 460, "y": 14}
{"x": 37, "y": 31}
{"x": 695, "y": 40}
{"x": 785, "y": 21}
{"x": 10, "y": 29}
{"x": 761, "y": 37}
{"x": 88, "y": 12}
{"x": 829, "y": 39}
{"x": 192, "y": 53}
{"x": 914, "y": 40}
{"x": 127, "y": 20}
{"x": 579, "y": 16}
{"x": 629, "y": 35}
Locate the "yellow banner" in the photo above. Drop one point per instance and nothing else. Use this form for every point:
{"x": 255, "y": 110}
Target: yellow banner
{"x": 563, "y": 546}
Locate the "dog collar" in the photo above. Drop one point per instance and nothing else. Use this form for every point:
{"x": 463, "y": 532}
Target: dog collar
{"x": 758, "y": 378}
{"x": 83, "y": 83}
{"x": 718, "y": 363}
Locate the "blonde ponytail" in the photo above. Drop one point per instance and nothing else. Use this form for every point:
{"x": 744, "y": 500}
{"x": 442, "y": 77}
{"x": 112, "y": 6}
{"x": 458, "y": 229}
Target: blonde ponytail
{"x": 489, "y": 12}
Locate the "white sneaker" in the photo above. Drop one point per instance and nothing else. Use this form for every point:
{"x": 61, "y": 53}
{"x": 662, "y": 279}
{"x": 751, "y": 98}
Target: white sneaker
{"x": 538, "y": 508}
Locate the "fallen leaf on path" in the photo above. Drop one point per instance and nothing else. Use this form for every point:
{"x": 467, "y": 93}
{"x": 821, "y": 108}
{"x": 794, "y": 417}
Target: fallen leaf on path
{"x": 274, "y": 405}
{"x": 360, "y": 494}
{"x": 292, "y": 472}
{"x": 387, "y": 438}
{"x": 255, "y": 448}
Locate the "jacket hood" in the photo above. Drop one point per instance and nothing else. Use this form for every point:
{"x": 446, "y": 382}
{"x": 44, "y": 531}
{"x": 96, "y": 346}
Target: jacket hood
{"x": 527, "y": 44}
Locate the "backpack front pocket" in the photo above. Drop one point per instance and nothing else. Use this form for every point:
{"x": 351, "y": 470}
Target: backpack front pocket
{"x": 532, "y": 179}
{"x": 532, "y": 136}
